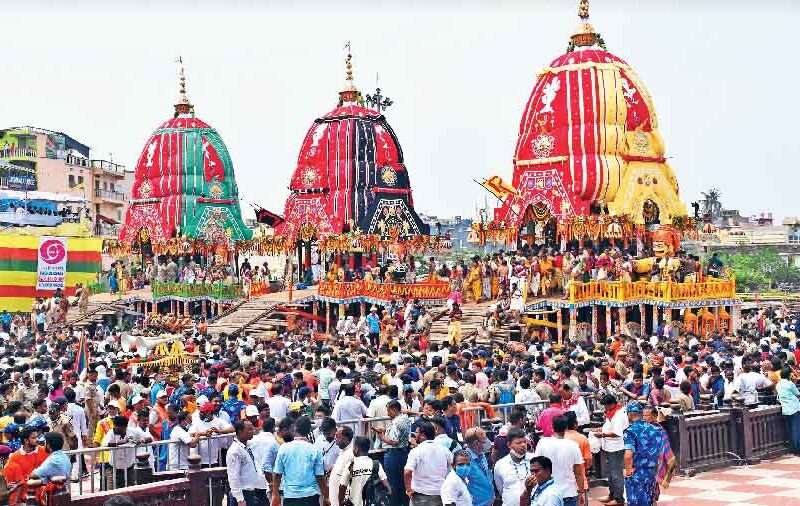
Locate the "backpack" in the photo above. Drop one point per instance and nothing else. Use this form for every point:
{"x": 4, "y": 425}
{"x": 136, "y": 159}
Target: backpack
{"x": 374, "y": 493}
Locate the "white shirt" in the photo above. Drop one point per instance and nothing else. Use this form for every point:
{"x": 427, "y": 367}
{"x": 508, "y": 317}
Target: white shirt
{"x": 429, "y": 463}
{"x": 747, "y": 384}
{"x": 179, "y": 450}
{"x": 278, "y": 407}
{"x": 78, "y": 422}
{"x": 125, "y": 456}
{"x": 350, "y": 408}
{"x": 581, "y": 411}
{"x": 340, "y": 467}
{"x": 377, "y": 408}
{"x": 362, "y": 469}
{"x": 208, "y": 448}
{"x": 527, "y": 395}
{"x": 564, "y": 453}
{"x": 260, "y": 445}
{"x": 243, "y": 472}
{"x": 329, "y": 449}
{"x": 617, "y": 425}
{"x": 509, "y": 476}
{"x": 454, "y": 491}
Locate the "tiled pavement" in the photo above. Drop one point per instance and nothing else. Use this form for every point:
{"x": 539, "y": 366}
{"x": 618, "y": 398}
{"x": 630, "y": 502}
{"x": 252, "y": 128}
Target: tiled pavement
{"x": 772, "y": 483}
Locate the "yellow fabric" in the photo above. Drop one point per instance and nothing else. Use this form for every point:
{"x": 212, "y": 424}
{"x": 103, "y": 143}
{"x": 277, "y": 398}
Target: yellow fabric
{"x": 32, "y": 242}
{"x": 454, "y": 332}
{"x": 16, "y": 304}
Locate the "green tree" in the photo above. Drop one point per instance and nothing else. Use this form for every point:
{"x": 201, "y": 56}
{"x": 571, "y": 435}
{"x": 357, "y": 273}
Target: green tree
{"x": 760, "y": 270}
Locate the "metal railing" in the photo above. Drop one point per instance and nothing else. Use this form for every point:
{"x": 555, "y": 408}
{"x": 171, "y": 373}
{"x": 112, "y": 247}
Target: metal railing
{"x": 110, "y": 194}
{"x": 77, "y": 161}
{"x": 113, "y": 168}
{"x": 18, "y": 153}
{"x": 107, "y": 468}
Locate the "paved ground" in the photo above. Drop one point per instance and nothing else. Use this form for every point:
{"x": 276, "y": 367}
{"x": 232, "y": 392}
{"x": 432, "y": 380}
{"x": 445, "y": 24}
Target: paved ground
{"x": 770, "y": 483}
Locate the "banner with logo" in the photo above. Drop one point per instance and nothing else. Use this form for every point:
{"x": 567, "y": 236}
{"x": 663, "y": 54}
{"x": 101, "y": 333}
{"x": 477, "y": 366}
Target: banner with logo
{"x": 51, "y": 271}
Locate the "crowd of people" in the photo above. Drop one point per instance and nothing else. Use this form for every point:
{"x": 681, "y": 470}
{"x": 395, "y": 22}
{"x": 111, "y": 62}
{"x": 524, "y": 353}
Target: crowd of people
{"x": 453, "y": 422}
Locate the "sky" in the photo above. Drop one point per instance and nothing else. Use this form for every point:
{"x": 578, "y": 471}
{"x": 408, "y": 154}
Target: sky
{"x": 723, "y": 75}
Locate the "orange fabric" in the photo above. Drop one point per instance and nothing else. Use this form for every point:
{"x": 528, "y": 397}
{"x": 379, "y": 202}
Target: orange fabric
{"x": 19, "y": 468}
{"x": 583, "y": 443}
{"x": 469, "y": 418}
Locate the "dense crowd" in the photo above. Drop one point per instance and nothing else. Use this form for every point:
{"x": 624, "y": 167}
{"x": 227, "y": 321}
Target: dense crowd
{"x": 454, "y": 422}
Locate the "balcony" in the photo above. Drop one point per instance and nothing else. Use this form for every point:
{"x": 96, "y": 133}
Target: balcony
{"x": 112, "y": 168}
{"x": 17, "y": 153}
{"x": 78, "y": 161}
{"x": 103, "y": 229}
{"x": 110, "y": 195}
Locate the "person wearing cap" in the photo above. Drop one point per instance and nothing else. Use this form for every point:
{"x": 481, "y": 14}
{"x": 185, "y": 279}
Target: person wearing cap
{"x": 206, "y": 425}
{"x": 613, "y": 447}
{"x": 159, "y": 413}
{"x": 644, "y": 446}
{"x": 374, "y": 325}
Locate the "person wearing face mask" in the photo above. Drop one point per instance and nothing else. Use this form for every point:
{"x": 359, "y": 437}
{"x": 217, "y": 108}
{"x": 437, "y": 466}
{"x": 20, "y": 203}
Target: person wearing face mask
{"x": 511, "y": 471}
{"x": 479, "y": 478}
{"x": 455, "y": 490}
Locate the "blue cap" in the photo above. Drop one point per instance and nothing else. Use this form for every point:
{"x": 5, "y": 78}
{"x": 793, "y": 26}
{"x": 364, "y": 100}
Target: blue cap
{"x": 633, "y": 407}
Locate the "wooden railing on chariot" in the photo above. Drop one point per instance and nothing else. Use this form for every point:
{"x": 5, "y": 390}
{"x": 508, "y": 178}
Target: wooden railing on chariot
{"x": 215, "y": 291}
{"x": 384, "y": 291}
{"x": 623, "y": 291}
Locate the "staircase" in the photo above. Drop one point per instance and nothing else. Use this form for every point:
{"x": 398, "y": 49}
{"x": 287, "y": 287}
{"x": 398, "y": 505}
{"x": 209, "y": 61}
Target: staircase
{"x": 254, "y": 315}
{"x": 95, "y": 313}
{"x": 471, "y": 326}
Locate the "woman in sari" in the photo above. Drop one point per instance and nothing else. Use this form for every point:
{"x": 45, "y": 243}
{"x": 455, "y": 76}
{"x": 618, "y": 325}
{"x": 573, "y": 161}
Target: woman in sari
{"x": 113, "y": 281}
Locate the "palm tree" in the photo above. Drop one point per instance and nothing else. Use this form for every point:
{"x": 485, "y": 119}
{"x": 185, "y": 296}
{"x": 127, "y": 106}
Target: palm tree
{"x": 712, "y": 206}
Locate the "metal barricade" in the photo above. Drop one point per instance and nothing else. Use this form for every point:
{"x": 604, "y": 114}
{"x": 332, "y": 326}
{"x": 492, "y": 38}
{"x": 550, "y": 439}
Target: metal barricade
{"x": 109, "y": 468}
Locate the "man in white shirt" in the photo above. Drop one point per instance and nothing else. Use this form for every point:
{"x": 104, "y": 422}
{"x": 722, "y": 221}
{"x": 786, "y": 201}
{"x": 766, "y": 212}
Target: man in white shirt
{"x": 377, "y": 408}
{"x": 540, "y": 487}
{"x": 246, "y": 480}
{"x": 358, "y": 473}
{"x": 613, "y": 446}
{"x": 349, "y": 408}
{"x": 278, "y": 404}
{"x": 324, "y": 438}
{"x": 325, "y": 376}
{"x": 426, "y": 468}
{"x": 344, "y": 440}
{"x": 567, "y": 462}
{"x": 208, "y": 425}
{"x": 748, "y": 383}
{"x": 180, "y": 443}
{"x": 120, "y": 472}
{"x": 510, "y": 471}
{"x": 263, "y": 444}
{"x": 454, "y": 488}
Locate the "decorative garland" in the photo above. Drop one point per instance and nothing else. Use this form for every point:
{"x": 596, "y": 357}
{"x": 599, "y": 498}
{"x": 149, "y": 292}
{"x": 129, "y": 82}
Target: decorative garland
{"x": 593, "y": 227}
{"x": 280, "y": 245}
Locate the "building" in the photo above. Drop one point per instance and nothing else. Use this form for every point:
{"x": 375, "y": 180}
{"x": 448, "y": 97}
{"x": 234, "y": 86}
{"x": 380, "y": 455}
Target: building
{"x": 457, "y": 227}
{"x": 37, "y": 159}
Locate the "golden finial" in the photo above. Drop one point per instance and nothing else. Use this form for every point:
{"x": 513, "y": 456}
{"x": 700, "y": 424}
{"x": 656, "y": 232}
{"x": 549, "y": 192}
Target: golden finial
{"x": 583, "y": 10}
{"x": 184, "y": 106}
{"x": 585, "y": 35}
{"x": 350, "y": 94}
